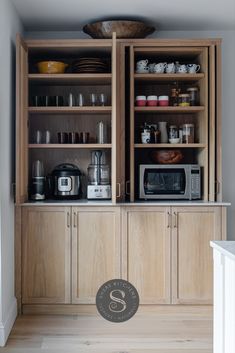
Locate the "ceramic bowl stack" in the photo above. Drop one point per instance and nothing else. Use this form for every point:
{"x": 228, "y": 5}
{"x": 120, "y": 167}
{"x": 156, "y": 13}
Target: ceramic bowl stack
{"x": 90, "y": 65}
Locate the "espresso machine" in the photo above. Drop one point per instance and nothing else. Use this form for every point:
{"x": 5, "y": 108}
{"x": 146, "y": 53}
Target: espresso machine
{"x": 98, "y": 177}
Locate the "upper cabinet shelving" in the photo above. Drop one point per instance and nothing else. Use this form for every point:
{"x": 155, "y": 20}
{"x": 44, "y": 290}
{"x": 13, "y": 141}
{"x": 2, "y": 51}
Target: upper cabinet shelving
{"x": 120, "y": 84}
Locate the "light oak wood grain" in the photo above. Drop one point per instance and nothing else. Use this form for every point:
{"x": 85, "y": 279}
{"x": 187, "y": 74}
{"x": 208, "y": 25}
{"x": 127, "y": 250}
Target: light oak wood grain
{"x": 192, "y": 257}
{"x": 95, "y": 251}
{"x": 46, "y": 242}
{"x": 168, "y": 330}
{"x": 148, "y": 252}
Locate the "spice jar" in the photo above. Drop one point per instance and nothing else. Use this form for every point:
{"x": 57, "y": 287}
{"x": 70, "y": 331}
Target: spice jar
{"x": 188, "y": 133}
{"x": 184, "y": 100}
{"x": 173, "y": 132}
{"x": 193, "y": 95}
{"x": 173, "y": 97}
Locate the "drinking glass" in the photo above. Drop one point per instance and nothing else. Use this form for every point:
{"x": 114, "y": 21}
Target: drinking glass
{"x": 80, "y": 100}
{"x": 102, "y": 99}
{"x": 93, "y": 99}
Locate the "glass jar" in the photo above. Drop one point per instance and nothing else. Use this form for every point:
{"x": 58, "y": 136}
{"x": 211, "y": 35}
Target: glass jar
{"x": 188, "y": 133}
{"x": 184, "y": 100}
{"x": 173, "y": 97}
{"x": 193, "y": 95}
{"x": 173, "y": 132}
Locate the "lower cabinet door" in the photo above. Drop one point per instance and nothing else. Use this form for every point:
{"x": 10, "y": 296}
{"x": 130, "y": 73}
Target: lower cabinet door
{"x": 95, "y": 250}
{"x": 192, "y": 263}
{"x": 46, "y": 246}
{"x": 146, "y": 246}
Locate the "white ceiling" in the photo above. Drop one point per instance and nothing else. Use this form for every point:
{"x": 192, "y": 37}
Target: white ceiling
{"x": 164, "y": 14}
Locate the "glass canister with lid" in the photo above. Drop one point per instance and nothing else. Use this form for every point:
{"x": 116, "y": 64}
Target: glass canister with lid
{"x": 188, "y": 133}
{"x": 193, "y": 95}
{"x": 184, "y": 100}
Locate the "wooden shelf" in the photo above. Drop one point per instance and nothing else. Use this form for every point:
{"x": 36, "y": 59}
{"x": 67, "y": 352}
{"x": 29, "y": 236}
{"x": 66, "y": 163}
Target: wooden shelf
{"x": 67, "y": 145}
{"x": 70, "y": 110}
{"x": 169, "y": 77}
{"x": 70, "y": 79}
{"x": 194, "y": 109}
{"x": 170, "y": 145}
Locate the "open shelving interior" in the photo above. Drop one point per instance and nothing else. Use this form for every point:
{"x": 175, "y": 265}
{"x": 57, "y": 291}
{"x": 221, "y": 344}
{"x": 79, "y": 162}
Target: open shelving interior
{"x": 161, "y": 84}
{"x": 65, "y": 118}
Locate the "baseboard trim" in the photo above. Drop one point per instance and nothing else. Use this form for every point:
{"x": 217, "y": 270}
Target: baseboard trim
{"x": 6, "y": 326}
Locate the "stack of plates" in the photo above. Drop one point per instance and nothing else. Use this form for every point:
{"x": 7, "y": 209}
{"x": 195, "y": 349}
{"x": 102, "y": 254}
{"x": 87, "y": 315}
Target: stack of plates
{"x": 90, "y": 65}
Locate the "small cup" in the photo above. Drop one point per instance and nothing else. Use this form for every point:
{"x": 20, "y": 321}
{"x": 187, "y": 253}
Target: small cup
{"x": 102, "y": 99}
{"x": 181, "y": 69}
{"x": 71, "y": 100}
{"x": 36, "y": 101}
{"x": 47, "y": 137}
{"x": 159, "y": 68}
{"x": 141, "y": 64}
{"x": 93, "y": 99}
{"x": 62, "y": 137}
{"x": 84, "y": 137}
{"x": 193, "y": 68}
{"x": 80, "y": 100}
{"x": 140, "y": 101}
{"x": 170, "y": 68}
{"x": 72, "y": 137}
{"x": 163, "y": 101}
{"x": 152, "y": 101}
{"x": 37, "y": 137}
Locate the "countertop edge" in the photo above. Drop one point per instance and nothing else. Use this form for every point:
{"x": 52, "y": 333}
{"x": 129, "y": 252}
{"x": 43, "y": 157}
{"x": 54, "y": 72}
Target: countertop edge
{"x": 125, "y": 204}
{"x": 225, "y": 247}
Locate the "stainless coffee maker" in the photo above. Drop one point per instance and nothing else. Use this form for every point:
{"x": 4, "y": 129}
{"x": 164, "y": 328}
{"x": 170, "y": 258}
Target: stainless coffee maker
{"x": 98, "y": 177}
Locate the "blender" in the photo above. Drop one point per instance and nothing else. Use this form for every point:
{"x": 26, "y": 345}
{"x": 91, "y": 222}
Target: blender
{"x": 98, "y": 177}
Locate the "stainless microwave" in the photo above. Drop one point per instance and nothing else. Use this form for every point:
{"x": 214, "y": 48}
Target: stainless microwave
{"x": 169, "y": 182}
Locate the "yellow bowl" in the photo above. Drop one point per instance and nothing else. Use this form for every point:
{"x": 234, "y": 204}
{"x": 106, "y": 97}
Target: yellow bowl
{"x": 51, "y": 67}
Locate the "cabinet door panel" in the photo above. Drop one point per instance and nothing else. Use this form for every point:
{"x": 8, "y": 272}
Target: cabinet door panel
{"x": 95, "y": 251}
{"x": 192, "y": 256}
{"x": 148, "y": 253}
{"x": 46, "y": 242}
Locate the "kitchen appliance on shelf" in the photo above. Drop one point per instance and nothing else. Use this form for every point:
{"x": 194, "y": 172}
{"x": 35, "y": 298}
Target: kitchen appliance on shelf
{"x": 98, "y": 177}
{"x": 169, "y": 181}
{"x": 37, "y": 190}
{"x": 66, "y": 181}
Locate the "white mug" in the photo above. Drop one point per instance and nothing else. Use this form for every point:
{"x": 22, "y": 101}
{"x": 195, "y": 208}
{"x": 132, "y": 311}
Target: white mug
{"x": 170, "y": 68}
{"x": 159, "y": 68}
{"x": 182, "y": 69}
{"x": 151, "y": 67}
{"x": 141, "y": 64}
{"x": 193, "y": 68}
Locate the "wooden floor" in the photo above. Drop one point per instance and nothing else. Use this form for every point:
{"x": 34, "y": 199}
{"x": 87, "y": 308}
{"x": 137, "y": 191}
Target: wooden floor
{"x": 162, "y": 330}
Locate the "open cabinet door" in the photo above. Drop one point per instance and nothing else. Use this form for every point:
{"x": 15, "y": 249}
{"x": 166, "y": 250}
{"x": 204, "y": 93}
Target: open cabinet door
{"x": 21, "y": 120}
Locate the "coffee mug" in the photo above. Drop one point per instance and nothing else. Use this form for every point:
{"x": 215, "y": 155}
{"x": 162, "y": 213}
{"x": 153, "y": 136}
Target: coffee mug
{"x": 170, "y": 68}
{"x": 159, "y": 68}
{"x": 151, "y": 67}
{"x": 182, "y": 69}
{"x": 141, "y": 64}
{"x": 143, "y": 70}
{"x": 193, "y": 68}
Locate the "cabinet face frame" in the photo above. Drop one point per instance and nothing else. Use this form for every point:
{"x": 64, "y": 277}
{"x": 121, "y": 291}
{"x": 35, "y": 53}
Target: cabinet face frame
{"x": 113, "y": 256}
{"x": 128, "y": 241}
{"x": 177, "y": 249}
{"x": 27, "y": 238}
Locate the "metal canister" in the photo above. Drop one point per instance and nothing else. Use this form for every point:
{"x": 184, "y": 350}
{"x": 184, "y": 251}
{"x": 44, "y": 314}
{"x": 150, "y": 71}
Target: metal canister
{"x": 101, "y": 134}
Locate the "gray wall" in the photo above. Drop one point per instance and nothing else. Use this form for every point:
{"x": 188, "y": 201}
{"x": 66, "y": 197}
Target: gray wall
{"x": 9, "y": 25}
{"x": 228, "y": 98}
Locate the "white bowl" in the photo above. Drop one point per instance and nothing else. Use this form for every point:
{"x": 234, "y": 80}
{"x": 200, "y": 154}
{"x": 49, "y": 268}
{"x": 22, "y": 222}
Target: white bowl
{"x": 177, "y": 140}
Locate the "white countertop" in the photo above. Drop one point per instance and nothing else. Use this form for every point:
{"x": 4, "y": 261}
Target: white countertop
{"x": 226, "y": 247}
{"x": 109, "y": 203}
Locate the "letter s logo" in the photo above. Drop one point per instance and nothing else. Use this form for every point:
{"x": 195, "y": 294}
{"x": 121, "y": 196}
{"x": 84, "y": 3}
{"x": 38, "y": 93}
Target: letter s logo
{"x": 113, "y": 306}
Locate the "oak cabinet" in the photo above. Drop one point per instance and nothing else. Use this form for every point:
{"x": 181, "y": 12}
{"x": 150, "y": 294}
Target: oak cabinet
{"x": 46, "y": 242}
{"x": 192, "y": 274}
{"x": 147, "y": 239}
{"x": 95, "y": 251}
